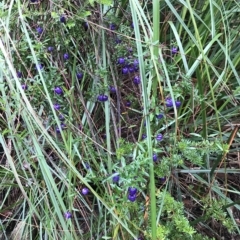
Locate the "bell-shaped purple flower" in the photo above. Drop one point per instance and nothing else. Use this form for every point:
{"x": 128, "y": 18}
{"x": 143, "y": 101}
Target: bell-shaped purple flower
{"x": 58, "y": 90}
{"x": 67, "y": 215}
{"x": 159, "y": 137}
{"x": 85, "y": 191}
{"x": 102, "y": 98}
{"x": 39, "y": 30}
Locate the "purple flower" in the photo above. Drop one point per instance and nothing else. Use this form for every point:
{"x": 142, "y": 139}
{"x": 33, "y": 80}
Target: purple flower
{"x": 159, "y": 137}
{"x": 128, "y": 104}
{"x": 50, "y": 49}
{"x": 58, "y": 90}
{"x": 67, "y": 215}
{"x": 136, "y": 80}
{"x": 56, "y": 106}
{"x": 136, "y": 69}
{"x": 61, "y": 117}
{"x": 112, "y": 89}
{"x": 132, "y": 198}
{"x": 63, "y": 19}
{"x": 129, "y": 49}
{"x": 135, "y": 63}
{"x": 155, "y": 157}
{"x": 121, "y": 60}
{"x": 102, "y": 98}
{"x": 104, "y": 136}
{"x": 85, "y": 191}
{"x": 124, "y": 70}
{"x": 169, "y": 102}
{"x": 80, "y": 127}
{"x": 87, "y": 166}
{"x": 112, "y": 26}
{"x": 85, "y": 26}
{"x": 131, "y": 69}
{"x": 62, "y": 127}
{"x": 159, "y": 116}
{"x": 65, "y": 56}
{"x": 115, "y": 178}
{"x": 24, "y": 86}
{"x": 19, "y": 74}
{"x": 39, "y": 66}
{"x": 162, "y": 179}
{"x": 132, "y": 191}
{"x": 178, "y": 104}
{"x": 174, "y": 50}
{"x": 118, "y": 40}
{"x": 79, "y": 75}
{"x": 144, "y": 136}
{"x": 39, "y": 30}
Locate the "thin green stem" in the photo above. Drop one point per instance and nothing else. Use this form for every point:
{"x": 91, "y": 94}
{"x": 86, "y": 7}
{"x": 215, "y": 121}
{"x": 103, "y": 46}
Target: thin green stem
{"x": 146, "y": 104}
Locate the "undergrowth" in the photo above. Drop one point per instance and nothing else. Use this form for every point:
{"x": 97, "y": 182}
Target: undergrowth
{"x": 119, "y": 119}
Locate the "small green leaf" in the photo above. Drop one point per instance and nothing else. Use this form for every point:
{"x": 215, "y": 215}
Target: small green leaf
{"x": 105, "y": 2}
{"x": 91, "y": 2}
{"x": 83, "y": 14}
{"x": 54, "y": 15}
{"x": 70, "y": 24}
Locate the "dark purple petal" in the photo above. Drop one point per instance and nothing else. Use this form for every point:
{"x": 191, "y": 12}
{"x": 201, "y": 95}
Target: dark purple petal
{"x": 62, "y": 127}
{"x": 24, "y": 86}
{"x": 121, "y": 60}
{"x": 159, "y": 137}
{"x": 87, "y": 166}
{"x": 169, "y": 102}
{"x": 136, "y": 80}
{"x": 56, "y": 106}
{"x": 155, "y": 157}
{"x": 132, "y": 198}
{"x": 80, "y": 127}
{"x": 116, "y": 178}
{"x": 39, "y": 66}
{"x": 102, "y": 98}
{"x": 63, "y": 19}
{"x": 129, "y": 49}
{"x": 85, "y": 191}
{"x": 58, "y": 90}
{"x": 162, "y": 179}
{"x": 112, "y": 26}
{"x": 112, "y": 89}
{"x": 174, "y": 50}
{"x": 118, "y": 40}
{"x": 135, "y": 63}
{"x": 132, "y": 191}
{"x": 125, "y": 70}
{"x": 50, "y": 49}
{"x": 65, "y": 56}
{"x": 67, "y": 215}
{"x": 79, "y": 75}
{"x": 128, "y": 104}
{"x": 178, "y": 104}
{"x": 144, "y": 136}
{"x": 131, "y": 69}
{"x": 19, "y": 74}
{"x": 85, "y": 26}
{"x": 39, "y": 30}
{"x": 159, "y": 116}
{"x": 61, "y": 117}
